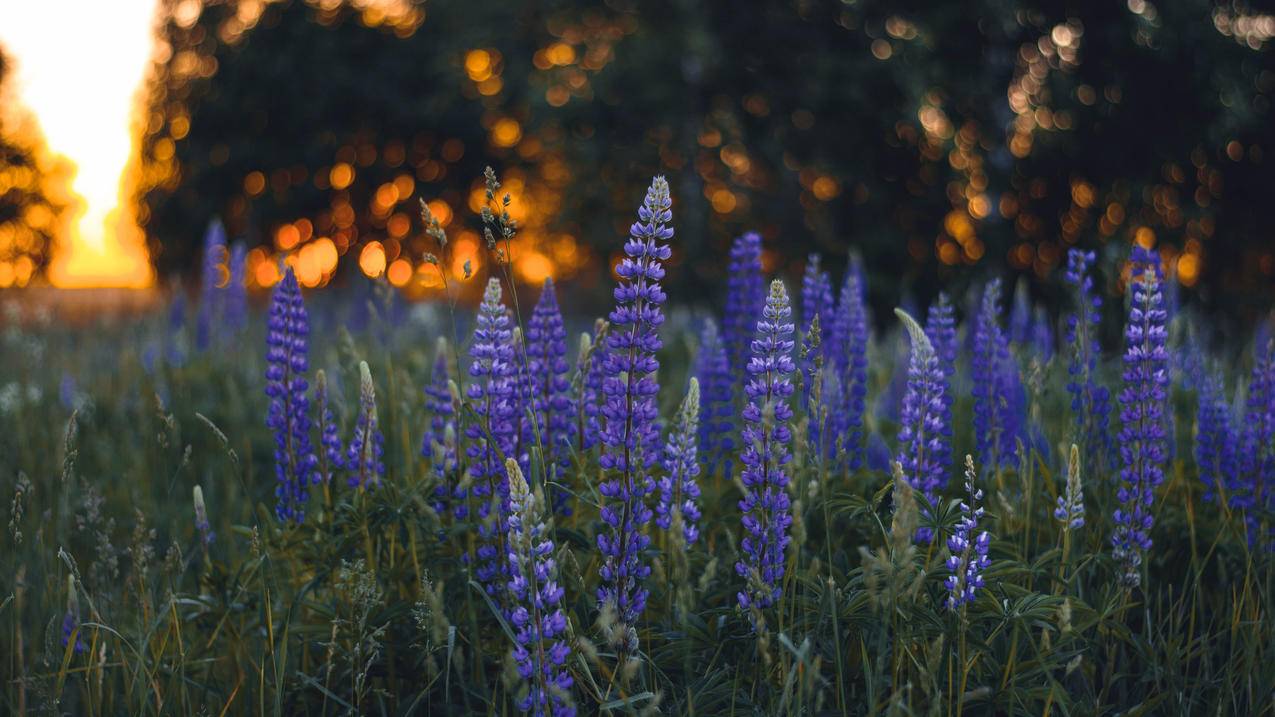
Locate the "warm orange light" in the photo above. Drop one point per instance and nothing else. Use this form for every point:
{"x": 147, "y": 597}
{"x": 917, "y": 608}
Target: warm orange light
{"x": 723, "y": 201}
{"x": 254, "y": 184}
{"x": 441, "y": 211}
{"x": 1145, "y": 236}
{"x": 398, "y": 225}
{"x": 341, "y": 175}
{"x": 286, "y": 237}
{"x": 266, "y": 273}
{"x": 506, "y": 132}
{"x": 399, "y": 272}
{"x": 534, "y": 267}
{"x": 478, "y": 65}
{"x": 372, "y": 259}
{"x": 825, "y": 188}
{"x": 560, "y": 53}
{"x": 1188, "y": 269}
{"x": 307, "y": 267}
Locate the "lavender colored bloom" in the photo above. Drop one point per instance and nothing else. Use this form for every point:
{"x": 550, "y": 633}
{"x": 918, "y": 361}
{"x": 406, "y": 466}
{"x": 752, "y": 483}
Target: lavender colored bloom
{"x": 1090, "y": 401}
{"x": 439, "y": 444}
{"x": 331, "y": 457}
{"x": 212, "y": 288}
{"x": 999, "y": 397}
{"x": 1216, "y": 439}
{"x": 538, "y": 623}
{"x": 547, "y": 369}
{"x": 491, "y": 436}
{"x": 287, "y": 342}
{"x": 679, "y": 492}
{"x": 940, "y": 329}
{"x": 592, "y": 363}
{"x": 202, "y": 525}
{"x": 816, "y": 295}
{"x": 1143, "y": 403}
{"x": 1256, "y": 474}
{"x": 363, "y": 458}
{"x": 850, "y": 365}
{"x": 766, "y": 435}
{"x": 1071, "y": 504}
{"x": 745, "y": 296}
{"x": 236, "y": 298}
{"x": 716, "y": 427}
{"x": 925, "y": 420}
{"x": 968, "y": 557}
{"x": 629, "y": 434}
{"x": 71, "y": 620}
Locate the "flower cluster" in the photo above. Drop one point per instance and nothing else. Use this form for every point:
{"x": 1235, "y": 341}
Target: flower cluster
{"x": 537, "y": 619}
{"x": 745, "y": 296}
{"x": 363, "y": 459}
{"x": 490, "y": 393}
{"x": 766, "y": 434}
{"x": 849, "y": 354}
{"x": 1257, "y": 469}
{"x": 679, "y": 492}
{"x": 287, "y": 341}
{"x": 439, "y": 444}
{"x": 547, "y": 369}
{"x": 1143, "y": 406}
{"x": 924, "y": 422}
{"x": 1090, "y": 401}
{"x": 717, "y": 427}
{"x": 331, "y": 458}
{"x": 629, "y": 432}
{"x": 999, "y": 397}
{"x": 968, "y": 558}
{"x": 940, "y": 329}
{"x": 1071, "y": 504}
{"x": 1215, "y": 438}
{"x": 592, "y": 364}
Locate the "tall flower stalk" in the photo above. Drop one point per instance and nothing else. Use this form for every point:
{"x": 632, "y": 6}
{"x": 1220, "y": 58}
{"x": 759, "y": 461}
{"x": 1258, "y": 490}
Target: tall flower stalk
{"x": 716, "y": 426}
{"x": 850, "y": 364}
{"x": 490, "y": 393}
{"x": 940, "y": 329}
{"x": 629, "y": 433}
{"x": 547, "y": 370}
{"x": 999, "y": 398}
{"x": 678, "y": 505}
{"x": 766, "y": 505}
{"x": 924, "y": 425}
{"x": 745, "y": 296}
{"x": 1143, "y": 405}
{"x": 438, "y": 446}
{"x": 1090, "y": 401}
{"x": 331, "y": 457}
{"x": 967, "y": 546}
{"x": 364, "y": 464}
{"x": 1216, "y": 439}
{"x": 540, "y": 652}
{"x": 213, "y": 285}
{"x": 287, "y": 342}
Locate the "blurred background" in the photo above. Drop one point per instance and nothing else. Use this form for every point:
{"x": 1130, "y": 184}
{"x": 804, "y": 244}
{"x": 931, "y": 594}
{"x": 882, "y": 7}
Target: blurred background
{"x": 942, "y": 141}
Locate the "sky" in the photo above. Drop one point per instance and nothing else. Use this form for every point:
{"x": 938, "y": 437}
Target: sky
{"x": 80, "y": 65}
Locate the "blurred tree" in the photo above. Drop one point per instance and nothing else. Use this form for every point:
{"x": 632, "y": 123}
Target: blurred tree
{"x": 34, "y": 191}
{"x": 929, "y": 137}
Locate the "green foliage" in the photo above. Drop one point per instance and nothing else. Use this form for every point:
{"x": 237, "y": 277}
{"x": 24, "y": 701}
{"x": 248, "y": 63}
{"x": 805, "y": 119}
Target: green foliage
{"x": 370, "y": 606}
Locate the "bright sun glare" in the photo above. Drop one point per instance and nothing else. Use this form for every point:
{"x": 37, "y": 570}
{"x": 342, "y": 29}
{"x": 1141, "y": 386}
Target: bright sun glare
{"x": 79, "y": 68}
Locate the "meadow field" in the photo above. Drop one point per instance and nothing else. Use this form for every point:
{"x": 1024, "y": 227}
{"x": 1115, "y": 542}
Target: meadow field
{"x": 337, "y": 502}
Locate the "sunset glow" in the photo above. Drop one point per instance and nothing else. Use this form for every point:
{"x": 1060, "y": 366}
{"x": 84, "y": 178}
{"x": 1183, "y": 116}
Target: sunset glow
{"x": 79, "y": 67}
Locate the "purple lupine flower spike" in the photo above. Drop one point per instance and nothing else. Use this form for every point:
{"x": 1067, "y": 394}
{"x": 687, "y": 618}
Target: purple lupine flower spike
{"x": 1216, "y": 439}
{"x": 1020, "y": 314}
{"x": 71, "y": 620}
{"x": 968, "y": 557}
{"x": 1042, "y": 334}
{"x": 547, "y": 369}
{"x": 1143, "y": 403}
{"x": 629, "y": 433}
{"x": 999, "y": 397}
{"x": 1256, "y": 475}
{"x": 924, "y": 428}
{"x": 1071, "y": 504}
{"x": 363, "y": 459}
{"x": 716, "y": 427}
{"x": 1090, "y": 401}
{"x": 850, "y": 363}
{"x": 679, "y": 491}
{"x": 213, "y": 285}
{"x": 439, "y": 444}
{"x": 594, "y": 348}
{"x": 816, "y": 294}
{"x": 331, "y": 458}
{"x": 491, "y": 436}
{"x": 745, "y": 296}
{"x": 287, "y": 342}
{"x": 766, "y": 435}
{"x": 540, "y": 652}
{"x": 940, "y": 329}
